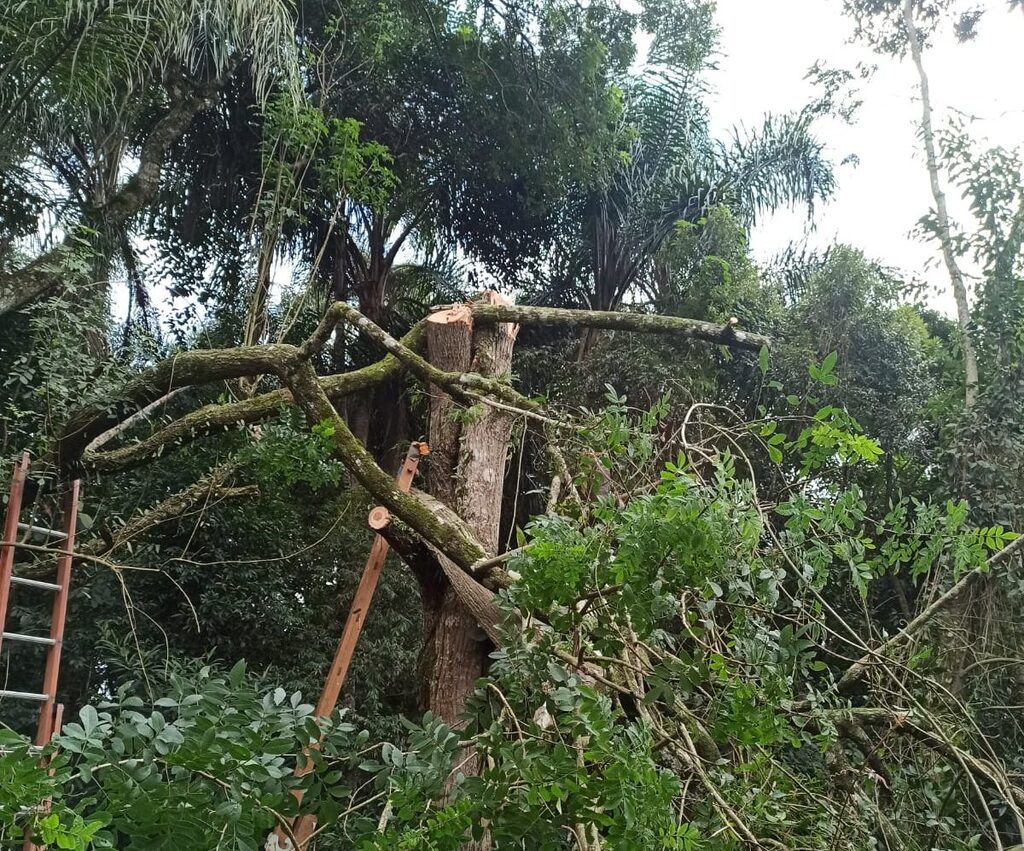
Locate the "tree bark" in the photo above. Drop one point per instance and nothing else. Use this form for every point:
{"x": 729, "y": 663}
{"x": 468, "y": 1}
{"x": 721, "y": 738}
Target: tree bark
{"x": 467, "y": 474}
{"x": 451, "y": 659}
{"x": 648, "y": 323}
{"x": 944, "y": 232}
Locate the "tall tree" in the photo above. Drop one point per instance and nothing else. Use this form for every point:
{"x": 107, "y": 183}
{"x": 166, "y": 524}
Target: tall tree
{"x": 98, "y": 83}
{"x": 943, "y": 228}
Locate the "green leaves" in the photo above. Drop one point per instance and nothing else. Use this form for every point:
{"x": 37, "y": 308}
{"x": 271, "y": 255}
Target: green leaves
{"x": 288, "y": 454}
{"x": 824, "y": 373}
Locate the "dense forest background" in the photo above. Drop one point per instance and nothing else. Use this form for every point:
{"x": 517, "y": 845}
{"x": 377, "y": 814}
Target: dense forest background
{"x": 708, "y": 553}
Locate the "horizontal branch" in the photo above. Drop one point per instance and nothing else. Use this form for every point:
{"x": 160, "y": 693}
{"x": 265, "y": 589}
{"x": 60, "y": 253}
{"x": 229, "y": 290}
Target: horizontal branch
{"x": 215, "y": 417}
{"x": 858, "y": 669}
{"x": 644, "y": 323}
{"x": 187, "y": 369}
{"x": 465, "y": 386}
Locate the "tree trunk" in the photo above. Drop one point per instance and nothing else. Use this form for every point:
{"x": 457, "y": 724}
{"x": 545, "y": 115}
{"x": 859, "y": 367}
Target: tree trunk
{"x": 467, "y": 467}
{"x": 965, "y": 610}
{"x": 944, "y": 233}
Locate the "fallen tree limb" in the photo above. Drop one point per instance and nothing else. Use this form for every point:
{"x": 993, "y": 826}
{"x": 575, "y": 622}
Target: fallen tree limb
{"x": 210, "y": 365}
{"x": 459, "y": 385}
{"x": 445, "y": 531}
{"x": 214, "y": 485}
{"x": 901, "y": 722}
{"x": 646, "y": 323}
{"x": 200, "y": 366}
{"x": 215, "y": 417}
{"x": 858, "y": 669}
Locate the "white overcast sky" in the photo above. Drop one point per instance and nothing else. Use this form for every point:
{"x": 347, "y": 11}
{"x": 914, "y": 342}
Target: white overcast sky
{"x": 766, "y": 49}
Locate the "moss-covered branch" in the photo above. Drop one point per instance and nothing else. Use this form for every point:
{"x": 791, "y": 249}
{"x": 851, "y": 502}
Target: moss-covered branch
{"x": 443, "y": 530}
{"x": 644, "y": 323}
{"x": 465, "y": 386}
{"x": 215, "y": 417}
{"x": 201, "y": 366}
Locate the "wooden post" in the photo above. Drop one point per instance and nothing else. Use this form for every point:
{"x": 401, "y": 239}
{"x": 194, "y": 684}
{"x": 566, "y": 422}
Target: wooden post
{"x": 304, "y": 826}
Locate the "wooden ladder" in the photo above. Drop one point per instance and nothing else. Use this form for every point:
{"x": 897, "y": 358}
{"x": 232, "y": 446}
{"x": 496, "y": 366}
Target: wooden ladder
{"x": 49, "y": 710}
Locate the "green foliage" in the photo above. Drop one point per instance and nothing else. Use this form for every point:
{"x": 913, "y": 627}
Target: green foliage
{"x": 311, "y": 159}
{"x": 748, "y": 523}
{"x": 287, "y": 455}
{"x": 208, "y": 765}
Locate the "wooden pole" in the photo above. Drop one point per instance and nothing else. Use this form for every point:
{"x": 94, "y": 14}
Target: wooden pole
{"x": 304, "y": 826}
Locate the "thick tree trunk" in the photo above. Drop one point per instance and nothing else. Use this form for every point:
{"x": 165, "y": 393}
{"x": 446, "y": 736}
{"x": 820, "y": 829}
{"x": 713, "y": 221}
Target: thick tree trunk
{"x": 467, "y": 469}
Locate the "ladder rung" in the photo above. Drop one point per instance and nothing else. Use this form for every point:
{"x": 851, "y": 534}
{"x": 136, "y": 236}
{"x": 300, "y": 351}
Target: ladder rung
{"x": 28, "y": 639}
{"x": 42, "y": 530}
{"x": 35, "y": 583}
{"x": 24, "y": 695}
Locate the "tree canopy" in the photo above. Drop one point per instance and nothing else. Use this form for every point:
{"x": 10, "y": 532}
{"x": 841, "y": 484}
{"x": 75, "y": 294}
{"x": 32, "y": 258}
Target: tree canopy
{"x": 686, "y": 549}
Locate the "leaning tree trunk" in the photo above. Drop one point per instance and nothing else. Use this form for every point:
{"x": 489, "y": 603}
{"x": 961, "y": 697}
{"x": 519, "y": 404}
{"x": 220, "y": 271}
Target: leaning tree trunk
{"x": 943, "y": 229}
{"x": 466, "y": 472}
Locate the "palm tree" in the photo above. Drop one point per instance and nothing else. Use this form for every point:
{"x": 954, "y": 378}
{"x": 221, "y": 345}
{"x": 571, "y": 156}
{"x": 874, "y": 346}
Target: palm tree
{"x": 674, "y": 170}
{"x": 86, "y": 86}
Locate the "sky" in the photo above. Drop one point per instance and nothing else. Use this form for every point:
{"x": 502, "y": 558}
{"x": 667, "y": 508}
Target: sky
{"x": 766, "y": 48}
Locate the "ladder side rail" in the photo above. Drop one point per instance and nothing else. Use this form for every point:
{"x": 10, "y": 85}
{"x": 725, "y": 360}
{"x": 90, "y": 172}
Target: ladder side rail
{"x": 44, "y": 731}
{"x": 11, "y": 537}
{"x": 44, "y": 807}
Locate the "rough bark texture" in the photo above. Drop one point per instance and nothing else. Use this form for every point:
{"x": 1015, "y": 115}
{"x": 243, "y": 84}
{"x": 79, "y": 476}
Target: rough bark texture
{"x": 453, "y": 657}
{"x": 449, "y": 348}
{"x": 458, "y": 641}
{"x": 647, "y": 323}
{"x": 467, "y": 474}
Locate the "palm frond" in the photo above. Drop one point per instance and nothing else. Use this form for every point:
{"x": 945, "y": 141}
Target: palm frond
{"x": 74, "y": 64}
{"x": 781, "y": 164}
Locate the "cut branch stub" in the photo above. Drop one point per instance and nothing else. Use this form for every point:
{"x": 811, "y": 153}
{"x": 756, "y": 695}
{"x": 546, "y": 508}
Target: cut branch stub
{"x": 379, "y": 518}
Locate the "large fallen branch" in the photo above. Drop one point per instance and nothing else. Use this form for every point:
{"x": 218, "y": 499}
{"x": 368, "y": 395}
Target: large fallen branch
{"x": 210, "y": 365}
{"x": 646, "y": 323}
{"x": 858, "y": 669}
{"x": 466, "y": 386}
{"x": 440, "y": 528}
{"x": 425, "y": 562}
{"x": 187, "y": 369}
{"x": 216, "y": 417}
